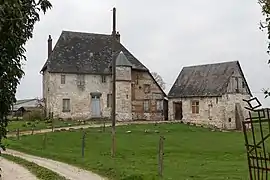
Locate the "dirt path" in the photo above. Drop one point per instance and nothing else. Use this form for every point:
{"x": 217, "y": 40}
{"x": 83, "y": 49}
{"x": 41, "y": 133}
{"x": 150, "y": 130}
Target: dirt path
{"x": 12, "y": 171}
{"x": 68, "y": 171}
{"x": 88, "y": 126}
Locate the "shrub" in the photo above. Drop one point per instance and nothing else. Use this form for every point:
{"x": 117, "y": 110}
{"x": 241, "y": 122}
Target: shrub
{"x": 33, "y": 115}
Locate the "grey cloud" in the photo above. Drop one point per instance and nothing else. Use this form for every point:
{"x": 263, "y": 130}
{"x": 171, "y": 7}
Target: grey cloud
{"x": 164, "y": 36}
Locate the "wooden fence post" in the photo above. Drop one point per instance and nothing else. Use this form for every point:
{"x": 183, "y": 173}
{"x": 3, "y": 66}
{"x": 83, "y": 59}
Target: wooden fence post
{"x": 83, "y": 143}
{"x": 52, "y": 124}
{"x": 103, "y": 125}
{"x": 160, "y": 156}
{"x": 18, "y": 134}
{"x": 32, "y": 131}
{"x": 44, "y": 140}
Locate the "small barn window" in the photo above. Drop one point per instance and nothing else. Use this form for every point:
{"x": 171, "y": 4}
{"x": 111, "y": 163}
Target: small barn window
{"x": 137, "y": 79}
{"x": 103, "y": 79}
{"x": 195, "y": 107}
{"x": 146, "y": 88}
{"x": 146, "y": 106}
{"x": 159, "y": 105}
{"x": 216, "y": 100}
{"x": 66, "y": 105}
{"x": 243, "y": 85}
{"x": 63, "y": 79}
{"x": 109, "y": 100}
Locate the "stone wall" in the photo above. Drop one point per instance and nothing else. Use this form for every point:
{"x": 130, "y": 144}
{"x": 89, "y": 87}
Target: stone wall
{"x": 123, "y": 94}
{"x": 229, "y": 101}
{"x": 45, "y": 89}
{"x": 213, "y": 111}
{"x": 145, "y": 90}
{"x": 80, "y": 98}
{"x": 130, "y": 95}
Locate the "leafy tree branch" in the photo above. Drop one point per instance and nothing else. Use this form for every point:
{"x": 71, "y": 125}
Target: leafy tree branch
{"x": 17, "y": 20}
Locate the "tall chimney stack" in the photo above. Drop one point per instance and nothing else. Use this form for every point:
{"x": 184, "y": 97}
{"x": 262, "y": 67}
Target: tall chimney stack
{"x": 117, "y": 36}
{"x": 49, "y": 46}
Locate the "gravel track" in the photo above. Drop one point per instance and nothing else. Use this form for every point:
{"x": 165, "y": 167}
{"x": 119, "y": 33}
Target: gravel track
{"x": 13, "y": 171}
{"x": 66, "y": 170}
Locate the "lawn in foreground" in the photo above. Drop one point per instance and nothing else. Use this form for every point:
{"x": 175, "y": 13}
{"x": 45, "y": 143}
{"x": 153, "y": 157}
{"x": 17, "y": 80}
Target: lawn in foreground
{"x": 190, "y": 152}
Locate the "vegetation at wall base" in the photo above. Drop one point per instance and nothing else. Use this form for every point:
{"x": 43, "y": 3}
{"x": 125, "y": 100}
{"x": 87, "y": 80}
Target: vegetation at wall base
{"x": 40, "y": 172}
{"x": 190, "y": 152}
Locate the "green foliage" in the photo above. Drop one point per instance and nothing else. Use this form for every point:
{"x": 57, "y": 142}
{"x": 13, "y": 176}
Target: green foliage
{"x": 17, "y": 19}
{"x": 40, "y": 172}
{"x": 34, "y": 115}
{"x": 265, "y": 4}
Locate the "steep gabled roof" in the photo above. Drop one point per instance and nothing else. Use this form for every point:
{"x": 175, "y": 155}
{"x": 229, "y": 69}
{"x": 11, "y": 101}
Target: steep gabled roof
{"x": 79, "y": 52}
{"x": 121, "y": 60}
{"x": 205, "y": 80}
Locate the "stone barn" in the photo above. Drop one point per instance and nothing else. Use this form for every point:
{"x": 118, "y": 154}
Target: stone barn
{"x": 77, "y": 80}
{"x": 211, "y": 95}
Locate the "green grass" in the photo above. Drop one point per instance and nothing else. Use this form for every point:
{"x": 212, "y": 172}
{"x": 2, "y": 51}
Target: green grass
{"x": 28, "y": 125}
{"x": 191, "y": 153}
{"x": 40, "y": 172}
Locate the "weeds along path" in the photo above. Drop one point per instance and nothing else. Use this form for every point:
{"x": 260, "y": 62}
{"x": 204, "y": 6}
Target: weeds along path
{"x": 13, "y": 171}
{"x": 41, "y": 131}
{"x": 68, "y": 171}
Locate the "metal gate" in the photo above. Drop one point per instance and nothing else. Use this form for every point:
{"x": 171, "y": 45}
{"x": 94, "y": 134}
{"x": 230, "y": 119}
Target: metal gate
{"x": 256, "y": 129}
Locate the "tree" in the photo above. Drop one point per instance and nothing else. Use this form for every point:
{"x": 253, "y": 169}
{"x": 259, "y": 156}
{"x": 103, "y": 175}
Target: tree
{"x": 265, "y": 4}
{"x": 17, "y": 20}
{"x": 159, "y": 80}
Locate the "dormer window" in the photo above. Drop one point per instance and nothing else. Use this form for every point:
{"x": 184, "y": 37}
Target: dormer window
{"x": 91, "y": 54}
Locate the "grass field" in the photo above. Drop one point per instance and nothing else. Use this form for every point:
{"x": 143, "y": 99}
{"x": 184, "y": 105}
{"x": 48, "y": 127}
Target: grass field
{"x": 40, "y": 172}
{"x": 37, "y": 125}
{"x": 191, "y": 153}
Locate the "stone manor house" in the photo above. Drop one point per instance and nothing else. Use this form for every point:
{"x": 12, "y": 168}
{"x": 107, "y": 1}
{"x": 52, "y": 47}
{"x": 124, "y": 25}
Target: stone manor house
{"x": 77, "y": 80}
{"x": 77, "y": 84}
{"x": 210, "y": 94}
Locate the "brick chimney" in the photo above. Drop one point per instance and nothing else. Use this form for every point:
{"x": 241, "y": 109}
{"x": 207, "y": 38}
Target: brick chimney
{"x": 49, "y": 46}
{"x": 117, "y": 36}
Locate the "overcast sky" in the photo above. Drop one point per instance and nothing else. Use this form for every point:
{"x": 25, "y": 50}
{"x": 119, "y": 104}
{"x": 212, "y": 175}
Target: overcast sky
{"x": 163, "y": 35}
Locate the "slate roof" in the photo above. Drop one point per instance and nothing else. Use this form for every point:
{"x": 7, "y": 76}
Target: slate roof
{"x": 79, "y": 52}
{"x": 204, "y": 80}
{"x": 122, "y": 60}
{"x": 21, "y": 101}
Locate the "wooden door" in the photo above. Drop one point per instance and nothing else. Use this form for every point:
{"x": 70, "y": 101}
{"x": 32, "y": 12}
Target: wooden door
{"x": 165, "y": 110}
{"x": 178, "y": 114}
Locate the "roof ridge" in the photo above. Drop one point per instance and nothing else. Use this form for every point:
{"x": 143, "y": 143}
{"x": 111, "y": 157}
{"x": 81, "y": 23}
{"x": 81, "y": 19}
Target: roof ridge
{"x": 217, "y": 63}
{"x": 83, "y": 32}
